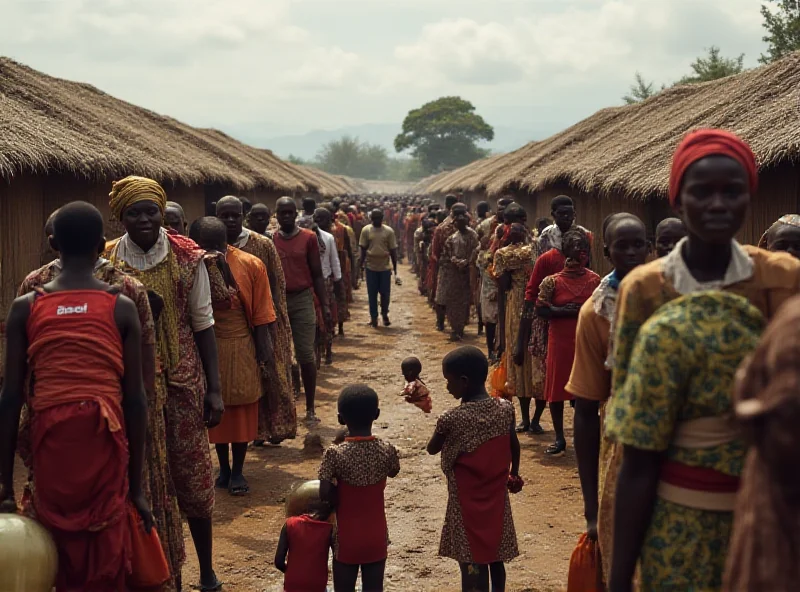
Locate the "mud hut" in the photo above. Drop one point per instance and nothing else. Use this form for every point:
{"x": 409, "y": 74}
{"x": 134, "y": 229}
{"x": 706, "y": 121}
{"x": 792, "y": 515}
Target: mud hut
{"x": 619, "y": 158}
{"x": 62, "y": 140}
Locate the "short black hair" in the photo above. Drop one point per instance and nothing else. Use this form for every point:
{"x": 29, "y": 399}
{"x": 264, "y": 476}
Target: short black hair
{"x": 78, "y": 229}
{"x": 482, "y": 207}
{"x": 450, "y": 200}
{"x": 358, "y": 405}
{"x": 561, "y": 200}
{"x": 48, "y": 225}
{"x": 460, "y": 206}
{"x": 411, "y": 364}
{"x": 668, "y": 222}
{"x": 309, "y": 204}
{"x": 246, "y": 205}
{"x": 208, "y": 232}
{"x": 613, "y": 219}
{"x": 576, "y": 232}
{"x": 261, "y": 206}
{"x": 467, "y": 361}
{"x": 505, "y": 200}
{"x": 514, "y": 211}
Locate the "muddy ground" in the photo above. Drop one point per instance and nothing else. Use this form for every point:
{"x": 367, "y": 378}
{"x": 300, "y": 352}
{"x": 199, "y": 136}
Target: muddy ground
{"x": 547, "y": 513}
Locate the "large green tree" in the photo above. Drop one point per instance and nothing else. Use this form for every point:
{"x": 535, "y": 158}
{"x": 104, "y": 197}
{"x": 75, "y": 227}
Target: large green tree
{"x": 783, "y": 29}
{"x": 444, "y": 134}
{"x": 713, "y": 66}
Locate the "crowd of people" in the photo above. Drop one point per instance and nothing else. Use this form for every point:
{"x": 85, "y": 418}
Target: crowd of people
{"x": 125, "y": 359}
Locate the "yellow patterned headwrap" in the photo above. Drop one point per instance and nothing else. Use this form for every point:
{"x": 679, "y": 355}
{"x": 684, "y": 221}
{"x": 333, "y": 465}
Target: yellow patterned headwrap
{"x": 131, "y": 190}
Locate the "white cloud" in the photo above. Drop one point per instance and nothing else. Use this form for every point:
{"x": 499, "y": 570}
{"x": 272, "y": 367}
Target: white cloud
{"x": 295, "y": 65}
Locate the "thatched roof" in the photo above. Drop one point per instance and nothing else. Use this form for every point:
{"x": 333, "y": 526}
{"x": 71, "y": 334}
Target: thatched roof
{"x": 467, "y": 178}
{"x": 628, "y": 150}
{"x": 48, "y": 124}
{"x": 327, "y": 184}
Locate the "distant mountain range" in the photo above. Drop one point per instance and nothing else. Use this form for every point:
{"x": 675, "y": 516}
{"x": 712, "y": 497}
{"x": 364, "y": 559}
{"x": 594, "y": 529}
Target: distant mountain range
{"x": 307, "y": 145}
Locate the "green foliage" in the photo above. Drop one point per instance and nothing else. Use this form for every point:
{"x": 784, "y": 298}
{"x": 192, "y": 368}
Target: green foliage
{"x": 713, "y": 67}
{"x": 350, "y": 157}
{"x": 641, "y": 90}
{"x": 405, "y": 169}
{"x": 444, "y": 134}
{"x": 296, "y": 160}
{"x": 783, "y": 29}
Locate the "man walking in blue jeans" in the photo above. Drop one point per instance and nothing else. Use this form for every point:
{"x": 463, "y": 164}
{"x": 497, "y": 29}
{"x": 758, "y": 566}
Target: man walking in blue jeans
{"x": 379, "y": 254}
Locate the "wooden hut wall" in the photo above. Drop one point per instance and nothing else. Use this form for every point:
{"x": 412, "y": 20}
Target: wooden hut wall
{"x": 778, "y": 194}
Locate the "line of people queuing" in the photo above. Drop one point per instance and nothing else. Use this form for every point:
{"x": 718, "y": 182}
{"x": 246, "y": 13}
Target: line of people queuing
{"x": 123, "y": 359}
{"x": 676, "y": 367}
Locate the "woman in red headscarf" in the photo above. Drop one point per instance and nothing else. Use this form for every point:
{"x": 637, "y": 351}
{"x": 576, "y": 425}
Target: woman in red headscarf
{"x": 713, "y": 178}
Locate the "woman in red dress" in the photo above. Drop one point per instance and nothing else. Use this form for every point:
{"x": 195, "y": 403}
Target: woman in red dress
{"x": 560, "y": 298}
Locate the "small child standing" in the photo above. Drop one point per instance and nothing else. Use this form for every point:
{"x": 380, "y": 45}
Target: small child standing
{"x": 415, "y": 391}
{"x": 306, "y": 539}
{"x": 480, "y": 458}
{"x": 359, "y": 466}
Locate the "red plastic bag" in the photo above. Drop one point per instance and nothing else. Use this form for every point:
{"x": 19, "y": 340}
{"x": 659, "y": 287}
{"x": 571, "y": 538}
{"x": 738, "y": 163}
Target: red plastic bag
{"x": 149, "y": 567}
{"x": 585, "y": 569}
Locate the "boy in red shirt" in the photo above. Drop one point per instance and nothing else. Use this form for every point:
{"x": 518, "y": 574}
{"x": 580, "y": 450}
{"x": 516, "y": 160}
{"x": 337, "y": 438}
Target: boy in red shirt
{"x": 306, "y": 539}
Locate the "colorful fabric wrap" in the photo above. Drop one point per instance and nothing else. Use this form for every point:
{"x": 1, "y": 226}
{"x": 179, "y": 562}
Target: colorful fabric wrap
{"x": 710, "y": 142}
{"x": 131, "y": 190}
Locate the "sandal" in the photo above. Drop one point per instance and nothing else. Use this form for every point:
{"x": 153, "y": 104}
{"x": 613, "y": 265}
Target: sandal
{"x": 522, "y": 428}
{"x": 215, "y": 587}
{"x": 557, "y": 447}
{"x": 221, "y": 483}
{"x": 536, "y": 429}
{"x": 243, "y": 488}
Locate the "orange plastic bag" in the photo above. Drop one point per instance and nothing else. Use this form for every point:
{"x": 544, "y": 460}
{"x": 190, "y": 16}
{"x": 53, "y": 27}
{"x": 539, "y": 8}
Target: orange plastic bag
{"x": 149, "y": 567}
{"x": 585, "y": 569}
{"x": 498, "y": 378}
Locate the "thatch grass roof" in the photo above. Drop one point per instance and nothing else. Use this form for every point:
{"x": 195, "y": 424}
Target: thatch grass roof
{"x": 628, "y": 150}
{"x": 52, "y": 125}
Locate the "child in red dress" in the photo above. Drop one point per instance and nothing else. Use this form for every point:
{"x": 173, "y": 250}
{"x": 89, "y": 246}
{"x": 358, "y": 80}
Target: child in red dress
{"x": 359, "y": 466}
{"x": 415, "y": 391}
{"x": 480, "y": 458}
{"x": 306, "y": 539}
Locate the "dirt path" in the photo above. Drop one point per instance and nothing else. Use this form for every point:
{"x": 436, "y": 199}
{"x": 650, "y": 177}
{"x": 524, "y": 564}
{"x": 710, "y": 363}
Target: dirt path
{"x": 547, "y": 514}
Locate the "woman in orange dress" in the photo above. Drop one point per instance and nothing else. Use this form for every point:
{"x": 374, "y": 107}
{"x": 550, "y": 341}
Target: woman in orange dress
{"x": 560, "y": 299}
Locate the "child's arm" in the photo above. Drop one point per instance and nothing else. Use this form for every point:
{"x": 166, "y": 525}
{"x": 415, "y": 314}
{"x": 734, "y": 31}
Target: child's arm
{"x": 436, "y": 443}
{"x": 440, "y": 435}
{"x": 327, "y": 473}
{"x": 283, "y": 551}
{"x": 515, "y": 451}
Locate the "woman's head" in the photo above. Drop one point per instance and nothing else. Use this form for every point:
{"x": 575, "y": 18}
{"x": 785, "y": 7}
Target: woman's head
{"x": 784, "y": 235}
{"x": 713, "y": 177}
{"x": 515, "y": 213}
{"x": 575, "y": 245}
{"x": 517, "y": 234}
{"x": 139, "y": 203}
{"x": 625, "y": 242}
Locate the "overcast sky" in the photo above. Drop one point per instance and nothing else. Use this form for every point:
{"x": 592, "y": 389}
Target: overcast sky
{"x": 297, "y": 65}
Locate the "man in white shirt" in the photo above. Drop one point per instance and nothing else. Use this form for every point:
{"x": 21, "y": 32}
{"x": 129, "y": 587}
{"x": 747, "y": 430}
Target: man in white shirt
{"x": 331, "y": 271}
{"x": 172, "y": 266}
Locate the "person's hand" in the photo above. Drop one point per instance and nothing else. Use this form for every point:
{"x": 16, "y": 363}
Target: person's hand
{"x": 591, "y": 529}
{"x": 519, "y": 355}
{"x": 213, "y": 408}
{"x": 143, "y": 508}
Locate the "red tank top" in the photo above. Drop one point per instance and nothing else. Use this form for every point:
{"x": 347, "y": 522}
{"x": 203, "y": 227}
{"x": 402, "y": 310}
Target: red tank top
{"x": 307, "y": 567}
{"x": 74, "y": 348}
